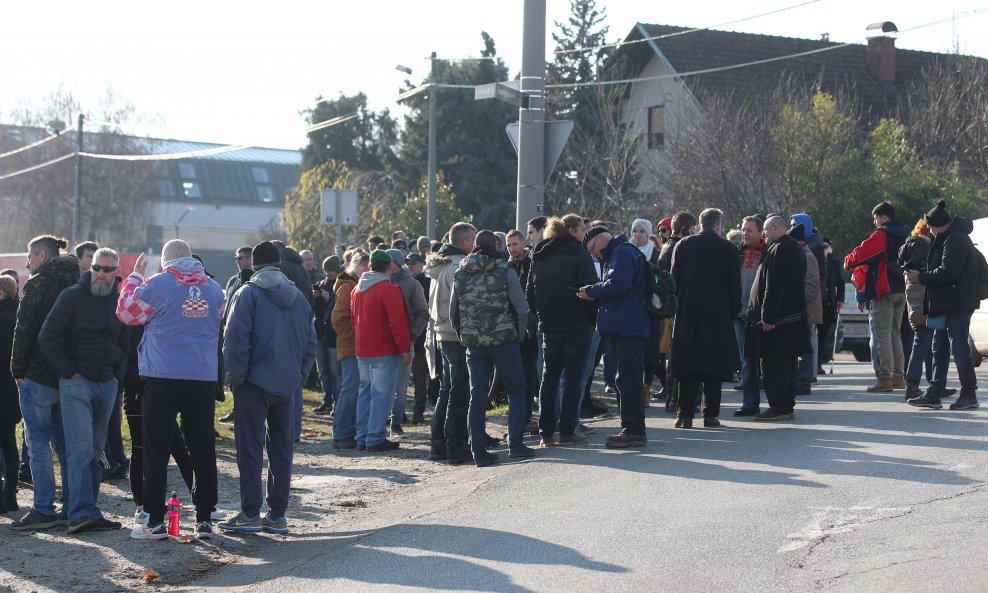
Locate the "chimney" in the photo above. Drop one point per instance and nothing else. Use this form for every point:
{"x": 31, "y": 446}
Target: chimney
{"x": 881, "y": 53}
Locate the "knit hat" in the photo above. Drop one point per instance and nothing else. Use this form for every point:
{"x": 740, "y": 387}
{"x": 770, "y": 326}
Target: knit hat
{"x": 641, "y": 222}
{"x": 939, "y": 215}
{"x": 380, "y": 256}
{"x": 597, "y": 230}
{"x": 424, "y": 242}
{"x": 666, "y": 222}
{"x": 798, "y": 232}
{"x": 397, "y": 256}
{"x": 265, "y": 254}
{"x": 175, "y": 249}
{"x": 399, "y": 244}
{"x": 332, "y": 263}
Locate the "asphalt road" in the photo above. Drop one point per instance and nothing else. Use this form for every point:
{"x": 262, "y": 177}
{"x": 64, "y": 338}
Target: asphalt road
{"x": 859, "y": 493}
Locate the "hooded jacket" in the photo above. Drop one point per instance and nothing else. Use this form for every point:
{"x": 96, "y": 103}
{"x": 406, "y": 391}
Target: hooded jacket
{"x": 951, "y": 278}
{"x": 182, "y": 310}
{"x": 622, "y": 292}
{"x": 10, "y": 409}
{"x": 811, "y": 288}
{"x": 487, "y": 305}
{"x": 440, "y": 267}
{"x": 341, "y": 318}
{"x": 269, "y": 341}
{"x": 415, "y": 304}
{"x": 291, "y": 266}
{"x": 28, "y": 359}
{"x": 83, "y": 335}
{"x": 380, "y": 319}
{"x": 880, "y": 252}
{"x": 560, "y": 267}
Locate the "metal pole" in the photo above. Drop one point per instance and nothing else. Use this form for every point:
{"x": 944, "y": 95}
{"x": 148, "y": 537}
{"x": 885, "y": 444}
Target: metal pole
{"x": 431, "y": 212}
{"x": 77, "y": 206}
{"x": 531, "y": 116}
{"x": 339, "y": 225}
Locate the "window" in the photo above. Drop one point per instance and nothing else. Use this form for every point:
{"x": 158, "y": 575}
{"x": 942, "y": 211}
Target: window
{"x": 187, "y": 170}
{"x": 265, "y": 193}
{"x": 260, "y": 175}
{"x": 192, "y": 189}
{"x": 161, "y": 170}
{"x": 656, "y": 126}
{"x": 166, "y": 189}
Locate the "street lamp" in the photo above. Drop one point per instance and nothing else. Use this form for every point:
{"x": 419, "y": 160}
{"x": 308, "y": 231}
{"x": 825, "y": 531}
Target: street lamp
{"x": 181, "y": 218}
{"x": 431, "y": 85}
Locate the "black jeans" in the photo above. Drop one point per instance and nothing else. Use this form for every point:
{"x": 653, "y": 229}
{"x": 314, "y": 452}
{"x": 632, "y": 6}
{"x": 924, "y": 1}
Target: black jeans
{"x": 164, "y": 399}
{"x": 420, "y": 376}
{"x": 529, "y": 365}
{"x": 8, "y": 443}
{"x": 689, "y": 386}
{"x": 135, "y": 420}
{"x": 779, "y": 382}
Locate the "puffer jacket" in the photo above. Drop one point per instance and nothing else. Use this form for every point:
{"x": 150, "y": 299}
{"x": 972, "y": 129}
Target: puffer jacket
{"x": 560, "y": 267}
{"x": 811, "y": 287}
{"x": 487, "y": 304}
{"x": 440, "y": 267}
{"x": 28, "y": 360}
{"x": 622, "y": 291}
{"x": 880, "y": 252}
{"x": 415, "y": 303}
{"x": 342, "y": 318}
{"x": 83, "y": 335}
{"x": 951, "y": 278}
{"x": 914, "y": 253}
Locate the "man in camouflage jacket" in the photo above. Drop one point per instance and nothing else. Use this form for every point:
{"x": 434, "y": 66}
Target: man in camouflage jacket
{"x": 490, "y": 315}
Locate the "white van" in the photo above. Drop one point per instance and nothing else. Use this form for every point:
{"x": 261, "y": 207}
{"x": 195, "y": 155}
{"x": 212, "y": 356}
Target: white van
{"x": 979, "y": 321}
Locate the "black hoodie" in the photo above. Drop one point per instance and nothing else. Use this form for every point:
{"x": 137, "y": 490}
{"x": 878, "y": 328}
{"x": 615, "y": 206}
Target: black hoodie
{"x": 953, "y": 266}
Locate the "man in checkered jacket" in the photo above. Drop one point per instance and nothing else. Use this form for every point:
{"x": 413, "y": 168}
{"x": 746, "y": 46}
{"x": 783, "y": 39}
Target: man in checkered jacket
{"x": 181, "y": 309}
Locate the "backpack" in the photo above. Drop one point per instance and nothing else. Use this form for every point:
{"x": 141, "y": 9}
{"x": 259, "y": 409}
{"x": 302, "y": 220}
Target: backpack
{"x": 982, "y": 275}
{"x": 661, "y": 288}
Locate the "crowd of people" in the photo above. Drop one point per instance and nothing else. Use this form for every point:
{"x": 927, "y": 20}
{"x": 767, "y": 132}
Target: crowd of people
{"x": 464, "y": 320}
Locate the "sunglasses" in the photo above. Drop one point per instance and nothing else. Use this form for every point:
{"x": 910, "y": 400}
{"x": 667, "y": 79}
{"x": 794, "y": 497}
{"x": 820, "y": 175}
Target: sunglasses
{"x": 107, "y": 269}
{"x": 663, "y": 229}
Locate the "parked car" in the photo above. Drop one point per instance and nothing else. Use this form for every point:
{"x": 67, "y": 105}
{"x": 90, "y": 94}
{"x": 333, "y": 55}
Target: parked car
{"x": 852, "y": 329}
{"x": 979, "y": 321}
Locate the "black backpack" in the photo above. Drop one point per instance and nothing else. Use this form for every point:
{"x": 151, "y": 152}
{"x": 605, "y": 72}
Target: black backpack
{"x": 661, "y": 288}
{"x": 982, "y": 274}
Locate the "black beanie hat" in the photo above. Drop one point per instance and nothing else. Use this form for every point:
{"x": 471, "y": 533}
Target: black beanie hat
{"x": 798, "y": 232}
{"x": 266, "y": 254}
{"x": 593, "y": 232}
{"x": 939, "y": 215}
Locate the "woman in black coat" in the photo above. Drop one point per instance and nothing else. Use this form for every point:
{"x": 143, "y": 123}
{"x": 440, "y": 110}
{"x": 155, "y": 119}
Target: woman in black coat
{"x": 10, "y": 409}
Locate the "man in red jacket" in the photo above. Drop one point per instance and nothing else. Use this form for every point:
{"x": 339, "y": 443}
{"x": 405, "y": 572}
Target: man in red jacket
{"x": 383, "y": 341}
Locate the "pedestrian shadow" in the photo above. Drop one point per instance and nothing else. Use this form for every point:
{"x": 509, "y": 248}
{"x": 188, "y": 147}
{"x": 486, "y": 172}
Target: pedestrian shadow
{"x": 426, "y": 556}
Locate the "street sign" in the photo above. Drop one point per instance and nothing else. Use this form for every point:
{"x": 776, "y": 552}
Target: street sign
{"x": 498, "y": 90}
{"x": 338, "y": 206}
{"x": 556, "y": 134}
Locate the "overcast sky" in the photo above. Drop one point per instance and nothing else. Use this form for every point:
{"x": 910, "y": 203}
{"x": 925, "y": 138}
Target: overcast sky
{"x": 240, "y": 72}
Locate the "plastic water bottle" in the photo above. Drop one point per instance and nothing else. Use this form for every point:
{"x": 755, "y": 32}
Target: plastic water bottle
{"x": 174, "y": 514}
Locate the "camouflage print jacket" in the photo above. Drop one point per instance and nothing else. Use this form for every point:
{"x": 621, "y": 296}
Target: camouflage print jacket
{"x": 488, "y": 306}
{"x": 27, "y": 360}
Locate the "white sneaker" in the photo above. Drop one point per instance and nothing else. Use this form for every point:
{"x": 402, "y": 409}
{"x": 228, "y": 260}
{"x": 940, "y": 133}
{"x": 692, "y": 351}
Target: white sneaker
{"x": 156, "y": 532}
{"x": 218, "y": 514}
{"x": 141, "y": 517}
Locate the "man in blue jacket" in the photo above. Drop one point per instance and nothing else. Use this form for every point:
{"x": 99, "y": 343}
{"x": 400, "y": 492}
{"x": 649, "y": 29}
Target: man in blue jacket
{"x": 623, "y": 321}
{"x": 269, "y": 348}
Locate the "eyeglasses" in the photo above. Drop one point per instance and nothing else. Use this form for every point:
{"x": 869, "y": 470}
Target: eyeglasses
{"x": 107, "y": 269}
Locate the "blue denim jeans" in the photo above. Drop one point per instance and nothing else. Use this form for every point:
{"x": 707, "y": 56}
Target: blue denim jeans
{"x": 750, "y": 381}
{"x": 589, "y": 367}
{"x": 873, "y": 343}
{"x": 954, "y": 339}
{"x": 482, "y": 361}
{"x": 378, "y": 377}
{"x": 920, "y": 354}
{"x": 565, "y": 356}
{"x": 629, "y": 358}
{"x": 808, "y": 364}
{"x": 86, "y": 409}
{"x": 401, "y": 391}
{"x": 42, "y": 412}
{"x": 329, "y": 373}
{"x": 450, "y": 418}
{"x": 345, "y": 412}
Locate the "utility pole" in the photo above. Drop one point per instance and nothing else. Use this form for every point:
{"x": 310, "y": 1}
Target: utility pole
{"x": 531, "y": 115}
{"x": 431, "y": 209}
{"x": 77, "y": 206}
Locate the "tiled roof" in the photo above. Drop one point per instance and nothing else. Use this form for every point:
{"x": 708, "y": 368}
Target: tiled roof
{"x": 842, "y": 67}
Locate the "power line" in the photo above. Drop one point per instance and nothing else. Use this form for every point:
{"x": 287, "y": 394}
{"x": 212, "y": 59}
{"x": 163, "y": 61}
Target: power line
{"x": 29, "y": 146}
{"x": 167, "y": 156}
{"x": 38, "y": 166}
{"x": 684, "y": 31}
{"x": 330, "y": 122}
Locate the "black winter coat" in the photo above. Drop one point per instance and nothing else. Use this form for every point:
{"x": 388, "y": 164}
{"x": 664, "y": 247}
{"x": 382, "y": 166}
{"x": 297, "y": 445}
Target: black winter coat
{"x": 665, "y": 256}
{"x": 953, "y": 266}
{"x": 708, "y": 285}
{"x": 10, "y": 409}
{"x": 560, "y": 267}
{"x": 778, "y": 297}
{"x": 83, "y": 335}
{"x": 291, "y": 266}
{"x": 28, "y": 360}
{"x": 321, "y": 314}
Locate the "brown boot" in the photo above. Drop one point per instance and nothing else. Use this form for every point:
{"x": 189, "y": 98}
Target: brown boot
{"x": 646, "y": 396}
{"x": 884, "y": 385}
{"x": 898, "y": 381}
{"x": 913, "y": 390}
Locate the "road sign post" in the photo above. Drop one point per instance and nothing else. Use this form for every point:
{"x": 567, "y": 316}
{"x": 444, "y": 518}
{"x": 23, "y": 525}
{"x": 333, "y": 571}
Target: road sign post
{"x": 339, "y": 207}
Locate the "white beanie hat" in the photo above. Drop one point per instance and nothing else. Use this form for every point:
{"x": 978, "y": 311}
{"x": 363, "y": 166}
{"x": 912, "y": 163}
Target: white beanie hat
{"x": 643, "y": 223}
{"x": 175, "y": 249}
